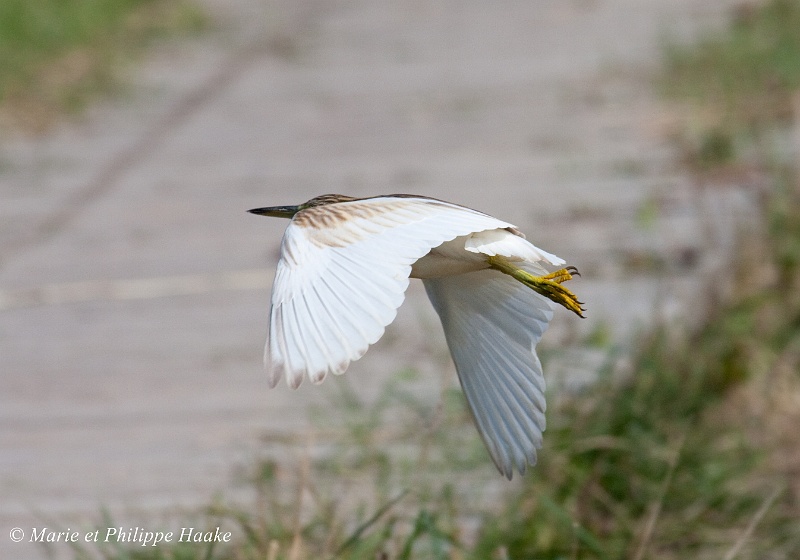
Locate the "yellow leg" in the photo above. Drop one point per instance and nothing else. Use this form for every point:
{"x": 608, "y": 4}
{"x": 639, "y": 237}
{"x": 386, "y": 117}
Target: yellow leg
{"x": 549, "y": 285}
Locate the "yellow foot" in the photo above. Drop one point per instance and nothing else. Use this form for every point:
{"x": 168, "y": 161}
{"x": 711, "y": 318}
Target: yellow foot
{"x": 562, "y": 275}
{"x": 549, "y": 285}
{"x": 553, "y": 290}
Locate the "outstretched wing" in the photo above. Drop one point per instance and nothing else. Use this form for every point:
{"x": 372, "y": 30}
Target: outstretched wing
{"x": 492, "y": 324}
{"x": 343, "y": 273}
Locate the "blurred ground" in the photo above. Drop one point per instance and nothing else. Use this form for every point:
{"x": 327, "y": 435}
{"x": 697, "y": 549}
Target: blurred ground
{"x": 134, "y": 286}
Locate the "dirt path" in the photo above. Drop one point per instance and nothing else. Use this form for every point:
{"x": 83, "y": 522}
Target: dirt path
{"x": 134, "y": 287}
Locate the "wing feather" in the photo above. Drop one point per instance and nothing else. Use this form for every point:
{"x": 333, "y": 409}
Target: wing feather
{"x": 298, "y": 338}
{"x": 340, "y": 283}
{"x": 317, "y": 335}
{"x": 333, "y": 330}
{"x": 506, "y": 404}
{"x": 492, "y": 324}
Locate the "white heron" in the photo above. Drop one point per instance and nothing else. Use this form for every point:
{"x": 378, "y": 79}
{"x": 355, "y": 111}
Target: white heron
{"x": 344, "y": 268}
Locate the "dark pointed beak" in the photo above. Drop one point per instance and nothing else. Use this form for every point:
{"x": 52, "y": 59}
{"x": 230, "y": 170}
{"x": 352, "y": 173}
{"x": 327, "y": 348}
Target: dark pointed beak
{"x": 276, "y": 211}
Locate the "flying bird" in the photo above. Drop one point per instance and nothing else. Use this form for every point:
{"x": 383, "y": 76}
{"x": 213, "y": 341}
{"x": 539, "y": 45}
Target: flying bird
{"x": 344, "y": 268}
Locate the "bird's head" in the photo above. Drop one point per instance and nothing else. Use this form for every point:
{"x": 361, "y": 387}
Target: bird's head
{"x": 290, "y": 211}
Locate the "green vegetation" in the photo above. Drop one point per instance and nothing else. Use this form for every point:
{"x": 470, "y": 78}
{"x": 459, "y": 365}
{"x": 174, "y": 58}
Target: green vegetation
{"x": 749, "y": 71}
{"x": 689, "y": 452}
{"x": 740, "y": 82}
{"x": 56, "y": 54}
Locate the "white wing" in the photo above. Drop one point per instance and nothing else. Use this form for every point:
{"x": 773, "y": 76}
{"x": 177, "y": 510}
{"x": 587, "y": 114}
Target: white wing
{"x": 492, "y": 324}
{"x": 340, "y": 280}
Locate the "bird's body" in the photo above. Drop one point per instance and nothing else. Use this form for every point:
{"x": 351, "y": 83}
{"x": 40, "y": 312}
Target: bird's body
{"x": 344, "y": 268}
{"x": 448, "y": 259}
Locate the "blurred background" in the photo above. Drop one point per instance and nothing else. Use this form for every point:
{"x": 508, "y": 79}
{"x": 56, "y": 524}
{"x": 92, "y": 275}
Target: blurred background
{"x": 134, "y": 286}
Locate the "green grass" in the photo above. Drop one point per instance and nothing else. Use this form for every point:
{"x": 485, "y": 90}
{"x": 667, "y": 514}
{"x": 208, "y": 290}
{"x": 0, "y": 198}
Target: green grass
{"x": 689, "y": 452}
{"x": 57, "y": 54}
